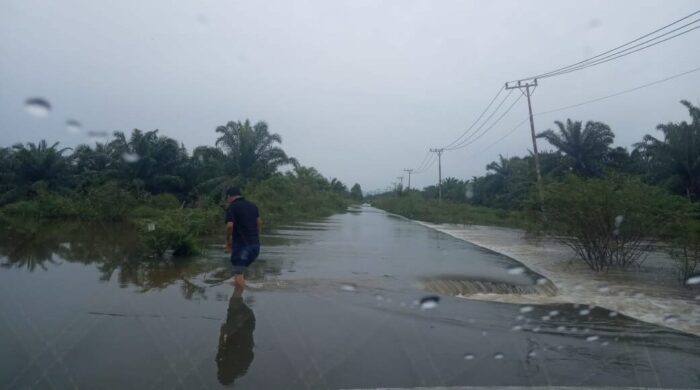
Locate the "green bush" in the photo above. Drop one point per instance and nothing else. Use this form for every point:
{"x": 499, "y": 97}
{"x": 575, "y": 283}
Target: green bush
{"x": 176, "y": 230}
{"x": 684, "y": 247}
{"x": 106, "y": 202}
{"x": 414, "y": 206}
{"x": 612, "y": 221}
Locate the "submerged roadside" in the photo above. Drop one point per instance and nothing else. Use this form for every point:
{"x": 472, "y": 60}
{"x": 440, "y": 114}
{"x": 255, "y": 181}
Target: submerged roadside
{"x": 647, "y": 294}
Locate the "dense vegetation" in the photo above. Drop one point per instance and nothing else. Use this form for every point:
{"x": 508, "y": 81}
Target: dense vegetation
{"x": 607, "y": 203}
{"x": 151, "y": 180}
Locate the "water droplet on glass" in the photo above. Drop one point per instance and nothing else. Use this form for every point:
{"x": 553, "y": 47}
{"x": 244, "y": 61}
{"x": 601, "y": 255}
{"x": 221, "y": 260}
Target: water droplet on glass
{"x": 484, "y": 333}
{"x": 516, "y": 270}
{"x": 151, "y": 227}
{"x": 693, "y": 280}
{"x": 97, "y": 135}
{"x": 532, "y": 354}
{"x": 37, "y": 106}
{"x": 519, "y": 318}
{"x": 605, "y": 343}
{"x": 541, "y": 281}
{"x": 469, "y": 356}
{"x": 349, "y": 287}
{"x": 526, "y": 309}
{"x": 498, "y": 356}
{"x": 561, "y": 328}
{"x": 554, "y": 313}
{"x": 592, "y": 338}
{"x": 618, "y": 220}
{"x": 584, "y": 312}
{"x": 613, "y": 314}
{"x": 536, "y": 329}
{"x": 517, "y": 328}
{"x": 429, "y": 302}
{"x": 130, "y": 157}
{"x": 73, "y": 126}
{"x": 546, "y": 318}
{"x": 671, "y": 319}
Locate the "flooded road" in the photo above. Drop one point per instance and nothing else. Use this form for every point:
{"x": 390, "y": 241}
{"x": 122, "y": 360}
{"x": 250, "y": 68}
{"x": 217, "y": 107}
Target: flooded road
{"x": 340, "y": 306}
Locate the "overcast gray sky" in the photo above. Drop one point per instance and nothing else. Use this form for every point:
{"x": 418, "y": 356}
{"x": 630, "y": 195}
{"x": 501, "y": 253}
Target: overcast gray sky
{"x": 357, "y": 89}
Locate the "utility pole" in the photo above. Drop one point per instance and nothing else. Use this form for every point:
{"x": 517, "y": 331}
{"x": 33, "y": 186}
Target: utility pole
{"x": 410, "y": 171}
{"x": 400, "y": 178}
{"x": 525, "y": 85}
{"x": 439, "y": 153}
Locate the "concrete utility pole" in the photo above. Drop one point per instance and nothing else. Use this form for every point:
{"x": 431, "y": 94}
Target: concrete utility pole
{"x": 410, "y": 171}
{"x": 439, "y": 153}
{"x": 525, "y": 85}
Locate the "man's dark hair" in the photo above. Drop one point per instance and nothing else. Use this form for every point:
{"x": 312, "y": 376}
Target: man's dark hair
{"x": 233, "y": 191}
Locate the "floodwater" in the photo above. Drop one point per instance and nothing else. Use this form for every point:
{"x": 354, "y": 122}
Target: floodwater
{"x": 340, "y": 306}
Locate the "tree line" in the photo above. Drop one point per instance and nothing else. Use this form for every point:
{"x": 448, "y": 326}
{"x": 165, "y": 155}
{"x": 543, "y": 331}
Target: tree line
{"x": 148, "y": 163}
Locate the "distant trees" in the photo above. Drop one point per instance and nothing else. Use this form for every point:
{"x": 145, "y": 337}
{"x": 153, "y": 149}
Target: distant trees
{"x": 145, "y": 162}
{"x": 356, "y": 192}
{"x": 674, "y": 161}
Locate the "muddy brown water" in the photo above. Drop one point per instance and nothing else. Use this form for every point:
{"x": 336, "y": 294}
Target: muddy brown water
{"x": 339, "y": 307}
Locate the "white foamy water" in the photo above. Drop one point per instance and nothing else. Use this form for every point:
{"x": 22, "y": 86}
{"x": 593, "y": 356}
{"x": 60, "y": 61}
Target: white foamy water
{"x": 650, "y": 300}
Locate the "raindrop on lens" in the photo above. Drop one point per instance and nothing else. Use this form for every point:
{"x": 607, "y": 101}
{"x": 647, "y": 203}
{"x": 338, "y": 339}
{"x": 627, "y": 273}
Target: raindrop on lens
{"x": 554, "y": 313}
{"x": 73, "y": 126}
{"x": 517, "y": 328}
{"x": 546, "y": 318}
{"x": 561, "y": 328}
{"x": 541, "y": 281}
{"x": 526, "y": 309}
{"x": 604, "y": 343}
{"x": 498, "y": 356}
{"x": 151, "y": 227}
{"x": 97, "y": 135}
{"x": 349, "y": 287}
{"x": 693, "y": 280}
{"x": 469, "y": 356}
{"x": 37, "y": 106}
{"x": 592, "y": 338}
{"x": 536, "y": 329}
{"x": 613, "y": 314}
{"x": 671, "y": 319}
{"x": 130, "y": 157}
{"x": 584, "y": 312}
{"x": 618, "y": 220}
{"x": 516, "y": 270}
{"x": 519, "y": 318}
{"x": 484, "y": 333}
{"x": 429, "y": 302}
{"x": 532, "y": 354}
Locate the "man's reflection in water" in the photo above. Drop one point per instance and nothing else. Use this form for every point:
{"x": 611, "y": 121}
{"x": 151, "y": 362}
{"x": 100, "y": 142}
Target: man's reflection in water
{"x": 236, "y": 340}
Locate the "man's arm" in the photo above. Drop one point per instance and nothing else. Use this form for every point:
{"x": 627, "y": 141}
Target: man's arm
{"x": 229, "y": 237}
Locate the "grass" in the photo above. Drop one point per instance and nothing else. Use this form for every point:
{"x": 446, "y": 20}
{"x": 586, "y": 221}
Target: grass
{"x": 413, "y": 206}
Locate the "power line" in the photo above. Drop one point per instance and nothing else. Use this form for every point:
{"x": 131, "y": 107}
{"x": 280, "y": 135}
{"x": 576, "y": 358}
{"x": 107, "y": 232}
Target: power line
{"x": 464, "y": 145}
{"x": 616, "y": 48}
{"x": 619, "y": 93}
{"x": 482, "y": 124}
{"x": 477, "y": 119}
{"x": 425, "y": 160}
{"x": 511, "y": 131}
{"x": 620, "y": 54}
{"x": 432, "y": 160}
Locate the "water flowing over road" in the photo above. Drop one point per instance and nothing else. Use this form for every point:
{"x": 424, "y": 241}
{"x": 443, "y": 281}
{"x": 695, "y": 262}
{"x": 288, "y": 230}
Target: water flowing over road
{"x": 343, "y": 302}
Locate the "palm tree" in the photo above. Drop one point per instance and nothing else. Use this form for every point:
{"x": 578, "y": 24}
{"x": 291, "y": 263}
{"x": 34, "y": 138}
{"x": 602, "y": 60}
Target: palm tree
{"x": 252, "y": 150}
{"x": 585, "y": 147}
{"x": 33, "y": 163}
{"x": 675, "y": 160}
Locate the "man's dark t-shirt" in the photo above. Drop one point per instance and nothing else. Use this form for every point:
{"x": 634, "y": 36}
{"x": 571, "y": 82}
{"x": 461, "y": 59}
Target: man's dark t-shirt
{"x": 244, "y": 215}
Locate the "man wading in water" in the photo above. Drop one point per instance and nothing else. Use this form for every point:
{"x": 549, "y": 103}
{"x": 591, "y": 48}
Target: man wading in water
{"x": 242, "y": 234}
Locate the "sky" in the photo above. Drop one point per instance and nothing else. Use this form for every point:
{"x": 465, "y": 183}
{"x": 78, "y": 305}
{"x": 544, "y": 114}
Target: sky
{"x": 358, "y": 89}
